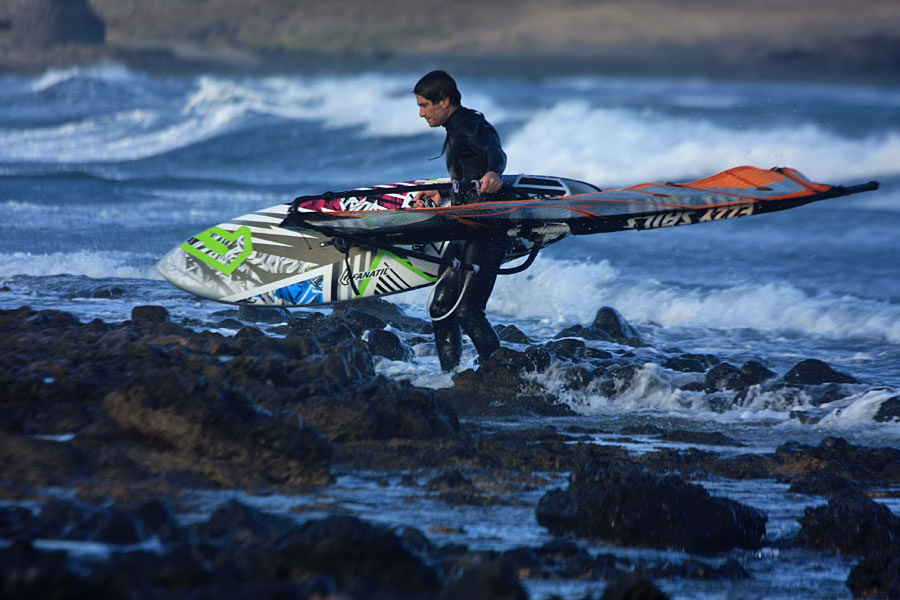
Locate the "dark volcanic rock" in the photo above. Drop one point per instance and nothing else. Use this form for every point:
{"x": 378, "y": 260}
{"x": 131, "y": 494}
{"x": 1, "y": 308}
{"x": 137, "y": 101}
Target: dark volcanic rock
{"x": 849, "y": 524}
{"x": 609, "y": 321}
{"x": 878, "y": 574}
{"x": 814, "y": 372}
{"x": 889, "y": 411}
{"x": 387, "y": 344}
{"x": 364, "y": 560}
{"x": 149, "y": 314}
{"x": 823, "y": 483}
{"x": 185, "y": 422}
{"x": 621, "y": 503}
{"x": 725, "y": 376}
{"x": 386, "y": 312}
{"x": 380, "y": 410}
{"x": 485, "y": 582}
{"x": 690, "y": 363}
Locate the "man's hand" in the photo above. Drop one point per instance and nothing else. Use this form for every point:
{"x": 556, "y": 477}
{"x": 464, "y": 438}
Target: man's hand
{"x": 490, "y": 183}
{"x": 427, "y": 198}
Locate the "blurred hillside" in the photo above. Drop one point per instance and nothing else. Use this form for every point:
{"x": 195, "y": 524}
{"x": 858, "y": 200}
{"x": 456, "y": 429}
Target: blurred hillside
{"x": 818, "y": 39}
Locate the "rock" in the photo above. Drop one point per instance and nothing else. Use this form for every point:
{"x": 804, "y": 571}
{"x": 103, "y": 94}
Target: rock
{"x": 40, "y": 24}
{"x": 234, "y": 524}
{"x": 387, "y": 344}
{"x": 364, "y": 560}
{"x": 878, "y": 574}
{"x": 821, "y": 483}
{"x": 146, "y": 315}
{"x": 889, "y": 411}
{"x": 511, "y": 334}
{"x": 485, "y": 582}
{"x": 814, "y": 372}
{"x": 621, "y": 503}
{"x": 853, "y": 524}
{"x": 26, "y": 572}
{"x": 448, "y": 480}
{"x": 216, "y": 432}
{"x": 706, "y": 438}
{"x": 532, "y": 359}
{"x": 587, "y": 333}
{"x": 632, "y": 587}
{"x": 725, "y": 376}
{"x": 263, "y": 314}
{"x": 380, "y": 410}
{"x": 387, "y": 312}
{"x": 690, "y": 363}
{"x": 612, "y": 323}
{"x": 564, "y": 347}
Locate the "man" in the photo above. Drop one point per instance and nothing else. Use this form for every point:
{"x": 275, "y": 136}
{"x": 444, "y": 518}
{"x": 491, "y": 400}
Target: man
{"x": 473, "y": 152}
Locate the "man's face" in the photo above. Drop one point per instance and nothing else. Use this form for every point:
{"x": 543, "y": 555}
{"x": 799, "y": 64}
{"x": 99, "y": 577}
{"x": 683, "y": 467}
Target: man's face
{"x": 434, "y": 112}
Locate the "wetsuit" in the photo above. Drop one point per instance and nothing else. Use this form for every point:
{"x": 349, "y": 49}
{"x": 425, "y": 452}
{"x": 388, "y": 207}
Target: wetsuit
{"x": 472, "y": 148}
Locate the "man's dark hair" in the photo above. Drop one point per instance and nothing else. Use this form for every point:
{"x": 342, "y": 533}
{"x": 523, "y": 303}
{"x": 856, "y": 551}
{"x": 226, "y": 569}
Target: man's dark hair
{"x": 436, "y": 86}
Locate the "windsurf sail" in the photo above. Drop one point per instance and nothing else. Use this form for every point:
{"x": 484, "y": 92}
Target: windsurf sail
{"x": 736, "y": 192}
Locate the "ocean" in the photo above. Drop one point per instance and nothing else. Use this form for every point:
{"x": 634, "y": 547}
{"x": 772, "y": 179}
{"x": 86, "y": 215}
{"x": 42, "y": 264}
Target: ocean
{"x": 104, "y": 169}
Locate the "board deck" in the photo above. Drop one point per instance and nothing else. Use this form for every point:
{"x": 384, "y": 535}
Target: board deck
{"x": 253, "y": 259}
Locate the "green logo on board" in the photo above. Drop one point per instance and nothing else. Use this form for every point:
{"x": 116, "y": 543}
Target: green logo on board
{"x": 220, "y": 246}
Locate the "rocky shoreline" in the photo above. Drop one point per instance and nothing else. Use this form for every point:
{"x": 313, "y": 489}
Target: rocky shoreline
{"x": 105, "y": 425}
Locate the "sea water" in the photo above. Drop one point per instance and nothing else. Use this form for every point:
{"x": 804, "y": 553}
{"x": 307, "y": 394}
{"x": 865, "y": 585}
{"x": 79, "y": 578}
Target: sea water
{"x": 104, "y": 169}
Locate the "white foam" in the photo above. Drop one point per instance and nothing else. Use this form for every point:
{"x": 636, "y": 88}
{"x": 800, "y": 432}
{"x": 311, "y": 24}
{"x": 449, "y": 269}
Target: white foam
{"x": 560, "y": 292}
{"x": 617, "y": 146}
{"x": 92, "y": 264}
{"x": 859, "y": 409}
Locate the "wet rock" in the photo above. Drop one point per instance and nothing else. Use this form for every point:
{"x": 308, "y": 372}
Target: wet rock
{"x": 613, "y": 324}
{"x": 532, "y": 359}
{"x": 587, "y": 333}
{"x": 616, "y": 380}
{"x": 485, "y": 582}
{"x": 306, "y": 324}
{"x": 837, "y": 456}
{"x": 158, "y": 520}
{"x": 146, "y": 315}
{"x": 117, "y": 528}
{"x": 564, "y": 347}
{"x": 889, "y": 411}
{"x": 699, "y": 570}
{"x": 849, "y": 524}
{"x": 511, "y": 334}
{"x": 360, "y": 321}
{"x": 386, "y": 311}
{"x": 386, "y": 343}
{"x": 263, "y": 314}
{"x": 725, "y": 376}
{"x": 235, "y": 524}
{"x": 499, "y": 387}
{"x": 707, "y": 438}
{"x": 380, "y": 410}
{"x": 878, "y": 574}
{"x": 633, "y": 587}
{"x": 814, "y": 372}
{"x": 26, "y": 572}
{"x": 215, "y": 432}
{"x": 821, "y": 483}
{"x": 448, "y": 480}
{"x": 690, "y": 363}
{"x": 621, "y": 503}
{"x": 364, "y": 560}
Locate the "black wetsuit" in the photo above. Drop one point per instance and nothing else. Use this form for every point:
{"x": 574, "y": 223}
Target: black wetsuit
{"x": 472, "y": 148}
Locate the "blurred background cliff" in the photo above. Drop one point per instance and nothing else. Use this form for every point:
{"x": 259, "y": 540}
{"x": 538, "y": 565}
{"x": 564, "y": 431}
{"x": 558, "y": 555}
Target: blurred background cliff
{"x": 809, "y": 39}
